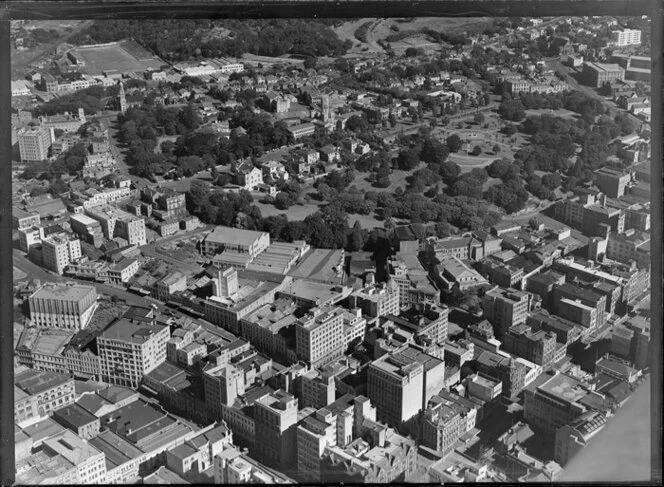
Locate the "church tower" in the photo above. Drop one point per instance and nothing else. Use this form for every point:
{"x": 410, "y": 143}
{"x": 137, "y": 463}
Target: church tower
{"x": 326, "y": 110}
{"x": 123, "y": 99}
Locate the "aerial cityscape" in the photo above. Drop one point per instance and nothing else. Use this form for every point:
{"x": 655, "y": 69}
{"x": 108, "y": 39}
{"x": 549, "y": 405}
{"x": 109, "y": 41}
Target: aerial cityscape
{"x": 331, "y": 251}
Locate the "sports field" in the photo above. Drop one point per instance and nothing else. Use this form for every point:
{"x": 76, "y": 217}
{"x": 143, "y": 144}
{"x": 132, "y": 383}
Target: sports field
{"x": 118, "y": 56}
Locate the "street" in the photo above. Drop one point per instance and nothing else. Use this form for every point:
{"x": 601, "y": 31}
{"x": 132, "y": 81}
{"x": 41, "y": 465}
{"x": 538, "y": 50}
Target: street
{"x": 560, "y": 68}
{"x": 35, "y": 272}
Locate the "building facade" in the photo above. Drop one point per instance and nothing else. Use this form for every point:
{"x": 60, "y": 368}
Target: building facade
{"x": 69, "y": 307}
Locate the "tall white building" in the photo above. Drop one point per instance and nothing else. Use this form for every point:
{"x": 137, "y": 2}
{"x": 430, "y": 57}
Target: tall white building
{"x": 319, "y": 336}
{"x": 33, "y": 143}
{"x": 69, "y": 307}
{"x": 626, "y": 37}
{"x": 128, "y": 351}
{"x": 59, "y": 250}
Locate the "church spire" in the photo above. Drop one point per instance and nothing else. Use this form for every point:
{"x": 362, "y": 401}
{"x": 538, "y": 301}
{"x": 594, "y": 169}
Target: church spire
{"x": 123, "y": 99}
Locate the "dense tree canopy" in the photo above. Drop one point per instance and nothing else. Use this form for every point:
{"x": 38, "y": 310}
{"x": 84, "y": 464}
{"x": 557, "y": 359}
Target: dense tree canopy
{"x": 179, "y": 40}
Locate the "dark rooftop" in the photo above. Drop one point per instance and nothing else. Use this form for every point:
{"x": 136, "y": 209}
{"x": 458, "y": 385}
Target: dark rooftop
{"x": 74, "y": 415}
{"x": 35, "y": 381}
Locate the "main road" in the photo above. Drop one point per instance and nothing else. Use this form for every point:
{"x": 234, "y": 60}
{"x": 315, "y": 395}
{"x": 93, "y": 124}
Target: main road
{"x": 560, "y": 68}
{"x": 33, "y": 271}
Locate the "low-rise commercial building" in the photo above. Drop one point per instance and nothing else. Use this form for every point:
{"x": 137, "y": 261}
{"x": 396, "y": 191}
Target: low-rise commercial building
{"x": 37, "y": 393}
{"x": 596, "y": 74}
{"x": 63, "y": 459}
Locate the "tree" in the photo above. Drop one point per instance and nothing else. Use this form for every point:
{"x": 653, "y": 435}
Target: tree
{"x": 477, "y": 150}
{"x": 310, "y": 62}
{"x": 512, "y": 110}
{"x": 478, "y": 118}
{"x": 454, "y": 143}
{"x": 197, "y": 197}
{"x": 449, "y": 171}
{"x": 407, "y": 160}
{"x": 356, "y": 238}
{"x": 551, "y": 180}
{"x": 509, "y": 129}
{"x": 411, "y": 52}
{"x": 496, "y": 149}
{"x": 533, "y": 223}
{"x": 283, "y": 200}
{"x": 434, "y": 151}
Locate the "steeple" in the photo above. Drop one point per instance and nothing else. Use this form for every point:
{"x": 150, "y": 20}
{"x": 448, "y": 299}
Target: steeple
{"x": 123, "y": 99}
{"x": 326, "y": 108}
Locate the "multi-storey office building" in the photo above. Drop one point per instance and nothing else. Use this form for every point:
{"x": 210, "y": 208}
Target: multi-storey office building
{"x": 553, "y": 404}
{"x": 276, "y": 429}
{"x": 396, "y": 388}
{"x": 319, "y": 336}
{"x": 626, "y": 37}
{"x": 63, "y": 306}
{"x": 33, "y": 143}
{"x": 60, "y": 250}
{"x": 505, "y": 308}
{"x": 129, "y": 350}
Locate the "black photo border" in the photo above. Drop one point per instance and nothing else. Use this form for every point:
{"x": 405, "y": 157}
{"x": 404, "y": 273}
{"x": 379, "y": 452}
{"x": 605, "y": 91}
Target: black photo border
{"x": 182, "y": 9}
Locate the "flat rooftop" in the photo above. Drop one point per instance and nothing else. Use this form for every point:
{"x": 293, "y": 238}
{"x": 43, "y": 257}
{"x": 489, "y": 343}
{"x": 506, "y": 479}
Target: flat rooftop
{"x": 117, "y": 450}
{"x": 314, "y": 291}
{"x": 64, "y": 292}
{"x": 322, "y": 265}
{"x": 164, "y": 476}
{"x": 233, "y": 236}
{"x": 34, "y": 381}
{"x": 74, "y": 415}
{"x": 564, "y": 388}
{"x": 46, "y": 428}
{"x": 48, "y": 341}
{"x": 247, "y": 294}
{"x": 605, "y": 67}
{"x": 123, "y": 329}
{"x": 84, "y": 219}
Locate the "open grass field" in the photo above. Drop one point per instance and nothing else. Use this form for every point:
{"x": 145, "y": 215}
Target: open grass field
{"x": 397, "y": 180}
{"x": 294, "y": 213}
{"x": 367, "y": 221}
{"x": 300, "y": 212}
{"x": 418, "y": 42}
{"x": 382, "y": 28}
{"x": 562, "y": 113}
{"x": 123, "y": 56}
